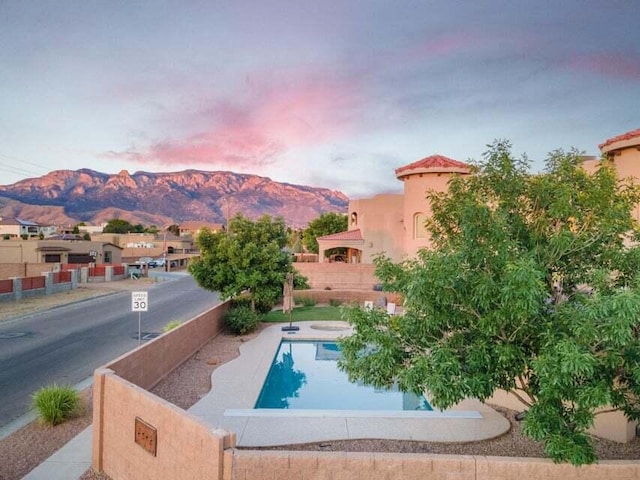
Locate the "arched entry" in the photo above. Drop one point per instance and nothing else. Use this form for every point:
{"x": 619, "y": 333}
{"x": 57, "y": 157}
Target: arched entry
{"x": 350, "y": 244}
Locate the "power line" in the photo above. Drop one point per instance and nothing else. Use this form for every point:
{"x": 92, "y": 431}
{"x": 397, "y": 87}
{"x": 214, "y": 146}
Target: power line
{"x": 12, "y": 168}
{"x": 9, "y": 157}
{"x": 18, "y": 170}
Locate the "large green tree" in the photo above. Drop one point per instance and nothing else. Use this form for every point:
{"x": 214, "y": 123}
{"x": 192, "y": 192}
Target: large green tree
{"x": 247, "y": 257}
{"x": 118, "y": 225}
{"x": 529, "y": 287}
{"x": 325, "y": 224}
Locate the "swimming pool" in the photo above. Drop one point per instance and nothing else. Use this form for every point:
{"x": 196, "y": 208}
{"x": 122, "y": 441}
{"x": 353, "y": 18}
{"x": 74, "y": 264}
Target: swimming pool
{"x": 304, "y": 375}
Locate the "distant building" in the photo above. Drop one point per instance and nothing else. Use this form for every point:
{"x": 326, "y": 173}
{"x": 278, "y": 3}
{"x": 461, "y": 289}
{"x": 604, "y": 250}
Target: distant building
{"x": 17, "y": 228}
{"x": 395, "y": 224}
{"x": 59, "y": 251}
{"x": 192, "y": 228}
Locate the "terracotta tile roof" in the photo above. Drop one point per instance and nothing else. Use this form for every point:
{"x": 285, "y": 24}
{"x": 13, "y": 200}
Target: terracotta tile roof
{"x": 434, "y": 161}
{"x": 348, "y": 235}
{"x": 624, "y": 136}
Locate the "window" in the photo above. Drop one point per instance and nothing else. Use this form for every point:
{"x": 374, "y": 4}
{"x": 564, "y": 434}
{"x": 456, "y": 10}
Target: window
{"x": 354, "y": 218}
{"x": 419, "y": 227}
{"x": 107, "y": 257}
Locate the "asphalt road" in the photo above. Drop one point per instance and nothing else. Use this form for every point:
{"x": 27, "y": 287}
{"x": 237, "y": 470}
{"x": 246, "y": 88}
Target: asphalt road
{"x": 66, "y": 344}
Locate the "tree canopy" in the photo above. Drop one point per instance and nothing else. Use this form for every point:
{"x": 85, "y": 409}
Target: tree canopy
{"x": 531, "y": 286}
{"x": 118, "y": 225}
{"x": 249, "y": 256}
{"x": 174, "y": 228}
{"x": 325, "y": 224}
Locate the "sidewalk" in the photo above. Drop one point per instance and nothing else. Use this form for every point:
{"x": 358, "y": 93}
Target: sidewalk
{"x": 74, "y": 458}
{"x": 68, "y": 463}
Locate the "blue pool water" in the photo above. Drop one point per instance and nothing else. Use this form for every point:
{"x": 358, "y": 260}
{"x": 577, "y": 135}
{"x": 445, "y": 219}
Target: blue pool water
{"x": 305, "y": 375}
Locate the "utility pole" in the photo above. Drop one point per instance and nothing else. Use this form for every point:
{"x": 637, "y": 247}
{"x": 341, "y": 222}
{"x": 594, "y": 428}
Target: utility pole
{"x": 227, "y": 214}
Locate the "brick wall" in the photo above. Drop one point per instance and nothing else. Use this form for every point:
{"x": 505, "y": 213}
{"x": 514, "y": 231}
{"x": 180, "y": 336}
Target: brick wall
{"x": 349, "y": 296}
{"x": 8, "y": 270}
{"x": 185, "y": 449}
{"x": 190, "y": 449}
{"x": 338, "y": 275}
{"x": 147, "y": 365}
{"x": 300, "y": 465}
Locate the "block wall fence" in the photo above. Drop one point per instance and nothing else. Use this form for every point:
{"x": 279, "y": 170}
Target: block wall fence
{"x": 187, "y": 448}
{"x": 338, "y": 276}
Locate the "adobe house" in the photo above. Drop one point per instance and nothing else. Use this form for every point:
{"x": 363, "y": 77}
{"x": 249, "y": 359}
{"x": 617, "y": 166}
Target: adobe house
{"x": 59, "y": 251}
{"x": 394, "y": 223}
{"x": 192, "y": 228}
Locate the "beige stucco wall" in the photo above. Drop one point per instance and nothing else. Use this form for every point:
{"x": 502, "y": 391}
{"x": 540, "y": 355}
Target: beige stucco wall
{"x": 380, "y": 221}
{"x": 20, "y": 251}
{"x": 121, "y": 239}
{"x": 627, "y": 165}
{"x": 612, "y": 425}
{"x": 416, "y": 187}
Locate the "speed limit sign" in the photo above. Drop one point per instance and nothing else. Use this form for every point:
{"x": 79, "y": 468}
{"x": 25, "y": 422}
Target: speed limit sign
{"x": 139, "y": 301}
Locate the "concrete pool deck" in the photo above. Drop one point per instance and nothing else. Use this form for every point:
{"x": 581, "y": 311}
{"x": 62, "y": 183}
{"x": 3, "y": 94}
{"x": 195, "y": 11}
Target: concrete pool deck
{"x": 237, "y": 384}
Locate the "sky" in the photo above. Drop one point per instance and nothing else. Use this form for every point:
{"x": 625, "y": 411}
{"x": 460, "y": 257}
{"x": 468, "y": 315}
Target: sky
{"x": 335, "y": 94}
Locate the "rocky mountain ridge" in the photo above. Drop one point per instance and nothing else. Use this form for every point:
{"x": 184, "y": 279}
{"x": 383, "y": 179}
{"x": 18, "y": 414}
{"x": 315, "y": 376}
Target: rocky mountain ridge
{"x": 67, "y": 196}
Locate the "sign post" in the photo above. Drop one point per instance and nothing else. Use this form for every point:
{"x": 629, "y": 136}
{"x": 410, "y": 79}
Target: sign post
{"x": 139, "y": 303}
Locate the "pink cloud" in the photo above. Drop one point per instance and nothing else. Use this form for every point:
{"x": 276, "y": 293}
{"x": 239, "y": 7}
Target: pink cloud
{"x": 607, "y": 64}
{"x": 262, "y": 119}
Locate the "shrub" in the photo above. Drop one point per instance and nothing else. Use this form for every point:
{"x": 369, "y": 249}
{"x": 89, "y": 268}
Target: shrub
{"x": 308, "y": 302}
{"x": 300, "y": 282}
{"x": 334, "y": 302}
{"x": 262, "y": 306}
{"x": 56, "y": 403}
{"x": 171, "y": 325}
{"x": 241, "y": 320}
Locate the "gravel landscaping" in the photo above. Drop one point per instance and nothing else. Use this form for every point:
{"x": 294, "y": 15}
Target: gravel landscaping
{"x": 28, "y": 447}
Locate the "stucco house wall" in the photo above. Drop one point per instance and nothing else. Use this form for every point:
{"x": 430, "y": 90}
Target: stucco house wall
{"x": 623, "y": 152}
{"x": 36, "y": 251}
{"x": 380, "y": 221}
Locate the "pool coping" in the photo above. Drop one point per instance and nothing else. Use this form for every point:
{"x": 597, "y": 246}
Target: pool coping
{"x": 237, "y": 384}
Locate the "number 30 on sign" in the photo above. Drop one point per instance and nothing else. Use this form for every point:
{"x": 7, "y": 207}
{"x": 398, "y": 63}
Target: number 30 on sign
{"x": 139, "y": 301}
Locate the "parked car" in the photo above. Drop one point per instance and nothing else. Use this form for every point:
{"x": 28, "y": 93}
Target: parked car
{"x": 144, "y": 260}
{"x": 157, "y": 262}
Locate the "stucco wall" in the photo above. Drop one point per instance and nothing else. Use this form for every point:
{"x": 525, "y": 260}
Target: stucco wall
{"x": 627, "y": 163}
{"x": 612, "y": 426}
{"x": 380, "y": 221}
{"x": 19, "y": 251}
{"x": 415, "y": 201}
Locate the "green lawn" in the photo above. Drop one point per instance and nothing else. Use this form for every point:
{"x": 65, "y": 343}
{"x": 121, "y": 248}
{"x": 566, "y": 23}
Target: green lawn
{"x": 301, "y": 314}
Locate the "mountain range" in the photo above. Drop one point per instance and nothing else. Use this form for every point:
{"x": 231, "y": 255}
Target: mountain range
{"x": 66, "y": 197}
